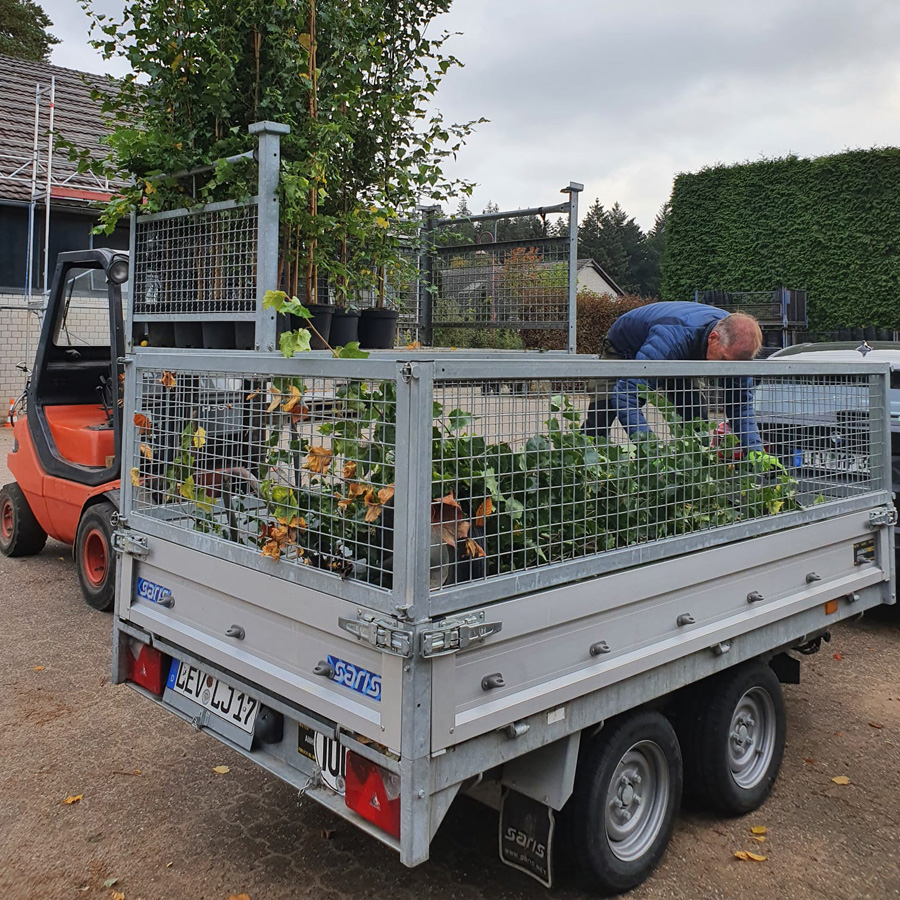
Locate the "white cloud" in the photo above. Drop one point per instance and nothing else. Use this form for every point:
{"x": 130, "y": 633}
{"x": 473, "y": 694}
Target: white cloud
{"x": 623, "y": 96}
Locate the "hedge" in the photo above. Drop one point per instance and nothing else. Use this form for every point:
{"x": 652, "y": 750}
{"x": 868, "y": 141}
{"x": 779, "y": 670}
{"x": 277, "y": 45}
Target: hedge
{"x": 596, "y": 313}
{"x": 829, "y": 225}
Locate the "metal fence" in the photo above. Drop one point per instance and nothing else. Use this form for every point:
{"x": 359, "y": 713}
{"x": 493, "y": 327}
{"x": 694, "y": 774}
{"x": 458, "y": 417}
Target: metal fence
{"x": 782, "y": 312}
{"x": 443, "y": 476}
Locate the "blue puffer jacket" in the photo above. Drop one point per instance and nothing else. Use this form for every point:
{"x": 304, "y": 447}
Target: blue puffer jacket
{"x": 675, "y": 331}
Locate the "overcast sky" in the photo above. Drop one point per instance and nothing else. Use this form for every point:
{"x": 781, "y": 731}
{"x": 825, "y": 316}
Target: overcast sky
{"x": 623, "y": 96}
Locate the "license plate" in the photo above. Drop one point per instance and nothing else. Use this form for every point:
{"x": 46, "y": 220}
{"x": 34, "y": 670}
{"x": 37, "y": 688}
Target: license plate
{"x": 327, "y": 754}
{"x": 213, "y": 694}
{"x": 835, "y": 461}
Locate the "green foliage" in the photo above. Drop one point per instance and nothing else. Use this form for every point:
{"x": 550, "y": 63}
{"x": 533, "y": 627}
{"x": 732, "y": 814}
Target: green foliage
{"x": 617, "y": 243}
{"x": 354, "y": 80}
{"x": 828, "y": 225}
{"x": 596, "y": 313}
{"x": 23, "y": 30}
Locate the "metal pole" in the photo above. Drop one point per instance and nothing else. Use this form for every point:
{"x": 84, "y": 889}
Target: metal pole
{"x": 426, "y": 280}
{"x": 29, "y": 253}
{"x": 267, "y": 227}
{"x": 573, "y": 191}
{"x": 47, "y": 196}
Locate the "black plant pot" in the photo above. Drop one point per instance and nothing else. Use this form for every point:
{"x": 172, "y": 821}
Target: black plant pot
{"x": 344, "y": 327}
{"x": 321, "y": 321}
{"x": 885, "y": 334}
{"x": 218, "y": 335}
{"x": 161, "y": 334}
{"x": 244, "y": 335}
{"x": 870, "y": 332}
{"x": 189, "y": 335}
{"x": 857, "y": 334}
{"x": 843, "y": 334}
{"x": 378, "y": 328}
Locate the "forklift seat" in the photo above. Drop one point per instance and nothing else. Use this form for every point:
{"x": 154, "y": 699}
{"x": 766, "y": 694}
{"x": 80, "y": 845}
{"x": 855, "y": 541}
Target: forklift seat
{"x": 83, "y": 434}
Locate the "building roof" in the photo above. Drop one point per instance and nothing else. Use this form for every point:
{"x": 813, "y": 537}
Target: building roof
{"x": 76, "y": 117}
{"x": 602, "y": 272}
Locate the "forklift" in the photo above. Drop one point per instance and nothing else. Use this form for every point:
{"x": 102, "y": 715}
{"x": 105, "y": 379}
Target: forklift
{"x": 67, "y": 449}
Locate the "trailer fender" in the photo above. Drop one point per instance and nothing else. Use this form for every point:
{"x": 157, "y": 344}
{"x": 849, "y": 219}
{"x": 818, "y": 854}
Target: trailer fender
{"x": 546, "y": 774}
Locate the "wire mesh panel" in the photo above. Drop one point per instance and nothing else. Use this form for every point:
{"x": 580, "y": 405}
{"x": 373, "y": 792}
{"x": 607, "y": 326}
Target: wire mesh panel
{"x": 300, "y": 470}
{"x": 509, "y": 284}
{"x": 196, "y": 262}
{"x": 531, "y": 473}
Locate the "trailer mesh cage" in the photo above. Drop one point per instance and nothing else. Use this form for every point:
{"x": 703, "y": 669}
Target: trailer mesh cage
{"x": 469, "y": 471}
{"x": 194, "y": 263}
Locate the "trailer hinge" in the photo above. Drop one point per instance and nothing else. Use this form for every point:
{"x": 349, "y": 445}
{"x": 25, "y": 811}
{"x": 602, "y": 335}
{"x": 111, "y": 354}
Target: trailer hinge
{"x": 133, "y": 544}
{"x": 455, "y": 634}
{"x": 882, "y": 517}
{"x": 381, "y": 634}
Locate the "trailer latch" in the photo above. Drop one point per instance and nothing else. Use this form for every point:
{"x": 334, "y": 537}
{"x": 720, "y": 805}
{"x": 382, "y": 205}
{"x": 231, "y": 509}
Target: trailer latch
{"x": 455, "y": 634}
{"x": 882, "y": 517}
{"x": 133, "y": 544}
{"x": 381, "y": 634}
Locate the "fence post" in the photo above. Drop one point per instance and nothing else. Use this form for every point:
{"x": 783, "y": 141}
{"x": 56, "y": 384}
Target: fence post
{"x": 573, "y": 190}
{"x": 426, "y": 280}
{"x": 269, "y": 158}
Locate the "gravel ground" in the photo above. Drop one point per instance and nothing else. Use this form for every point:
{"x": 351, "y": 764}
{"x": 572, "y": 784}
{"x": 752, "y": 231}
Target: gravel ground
{"x": 155, "y": 817}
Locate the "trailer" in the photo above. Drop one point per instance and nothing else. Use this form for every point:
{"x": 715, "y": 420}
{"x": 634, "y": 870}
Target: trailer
{"x": 388, "y": 581}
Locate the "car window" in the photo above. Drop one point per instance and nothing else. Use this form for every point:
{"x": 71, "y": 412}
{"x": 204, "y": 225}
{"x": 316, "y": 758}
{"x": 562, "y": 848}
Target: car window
{"x": 84, "y": 318}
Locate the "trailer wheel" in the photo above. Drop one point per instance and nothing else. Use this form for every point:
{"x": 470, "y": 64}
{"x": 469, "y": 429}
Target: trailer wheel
{"x": 735, "y": 743}
{"x": 95, "y": 558}
{"x": 20, "y": 533}
{"x": 627, "y": 793}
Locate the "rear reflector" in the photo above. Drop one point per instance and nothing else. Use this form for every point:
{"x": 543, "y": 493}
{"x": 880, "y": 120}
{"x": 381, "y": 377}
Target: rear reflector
{"x": 831, "y": 607}
{"x": 147, "y": 667}
{"x": 373, "y": 793}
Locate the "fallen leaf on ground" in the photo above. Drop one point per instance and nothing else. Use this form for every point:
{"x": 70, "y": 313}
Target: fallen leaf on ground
{"x": 110, "y": 882}
{"x": 41, "y": 669}
{"x": 758, "y": 838}
{"x": 747, "y": 855}
{"x": 838, "y": 733}
{"x": 238, "y": 897}
{"x": 72, "y": 799}
{"x": 116, "y": 895}
{"x": 837, "y": 656}
{"x": 875, "y": 725}
{"x": 221, "y": 770}
{"x": 841, "y": 779}
{"x": 810, "y": 760}
{"x": 758, "y": 829}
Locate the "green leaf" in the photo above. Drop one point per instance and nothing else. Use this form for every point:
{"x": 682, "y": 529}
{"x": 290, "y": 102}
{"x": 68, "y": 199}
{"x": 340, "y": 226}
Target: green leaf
{"x": 352, "y": 351}
{"x": 459, "y": 419}
{"x": 292, "y": 342}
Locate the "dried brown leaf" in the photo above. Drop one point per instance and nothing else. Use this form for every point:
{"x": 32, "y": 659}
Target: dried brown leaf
{"x": 758, "y": 829}
{"x": 758, "y": 838}
{"x": 73, "y": 798}
{"x": 167, "y": 380}
{"x": 474, "y": 549}
{"x": 146, "y": 451}
{"x": 142, "y": 423}
{"x": 486, "y": 508}
{"x": 747, "y": 855}
{"x": 221, "y": 770}
{"x": 252, "y": 395}
{"x": 875, "y": 725}
{"x": 318, "y": 460}
{"x": 349, "y": 470}
{"x": 37, "y": 669}
{"x": 235, "y": 896}
{"x": 136, "y": 477}
{"x": 841, "y": 779}
{"x": 293, "y": 398}
{"x": 386, "y": 493}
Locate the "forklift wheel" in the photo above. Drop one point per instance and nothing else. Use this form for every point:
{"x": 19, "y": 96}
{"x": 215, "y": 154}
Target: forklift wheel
{"x": 20, "y": 534}
{"x": 95, "y": 558}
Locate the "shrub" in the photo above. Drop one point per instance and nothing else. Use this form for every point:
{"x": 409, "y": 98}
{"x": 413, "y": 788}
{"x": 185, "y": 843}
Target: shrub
{"x": 596, "y": 313}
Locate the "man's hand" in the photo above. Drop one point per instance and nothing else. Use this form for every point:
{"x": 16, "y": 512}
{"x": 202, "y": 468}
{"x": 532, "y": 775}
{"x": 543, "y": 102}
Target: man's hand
{"x": 765, "y": 461}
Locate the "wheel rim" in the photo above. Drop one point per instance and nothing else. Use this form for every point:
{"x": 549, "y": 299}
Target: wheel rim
{"x": 95, "y": 558}
{"x": 751, "y": 738}
{"x": 6, "y": 520}
{"x": 637, "y": 800}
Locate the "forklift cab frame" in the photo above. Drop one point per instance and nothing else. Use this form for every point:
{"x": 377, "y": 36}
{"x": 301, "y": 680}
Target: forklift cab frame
{"x": 67, "y": 377}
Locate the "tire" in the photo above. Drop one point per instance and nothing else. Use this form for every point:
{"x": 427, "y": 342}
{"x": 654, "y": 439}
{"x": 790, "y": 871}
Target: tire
{"x": 20, "y": 533}
{"x": 95, "y": 559}
{"x": 632, "y": 767}
{"x": 733, "y": 739}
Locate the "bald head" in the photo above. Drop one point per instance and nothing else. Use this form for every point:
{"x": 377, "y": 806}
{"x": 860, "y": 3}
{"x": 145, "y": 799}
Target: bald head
{"x": 736, "y": 337}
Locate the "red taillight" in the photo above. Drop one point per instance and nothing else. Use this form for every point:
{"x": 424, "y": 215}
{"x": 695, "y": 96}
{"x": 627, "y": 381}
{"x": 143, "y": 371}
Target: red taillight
{"x": 374, "y": 793}
{"x": 147, "y": 667}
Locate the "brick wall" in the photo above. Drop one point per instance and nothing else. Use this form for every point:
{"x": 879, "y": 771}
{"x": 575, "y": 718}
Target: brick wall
{"x": 87, "y": 323}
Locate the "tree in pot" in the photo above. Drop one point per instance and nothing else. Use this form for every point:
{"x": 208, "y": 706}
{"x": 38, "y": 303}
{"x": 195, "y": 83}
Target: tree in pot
{"x": 352, "y": 78}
